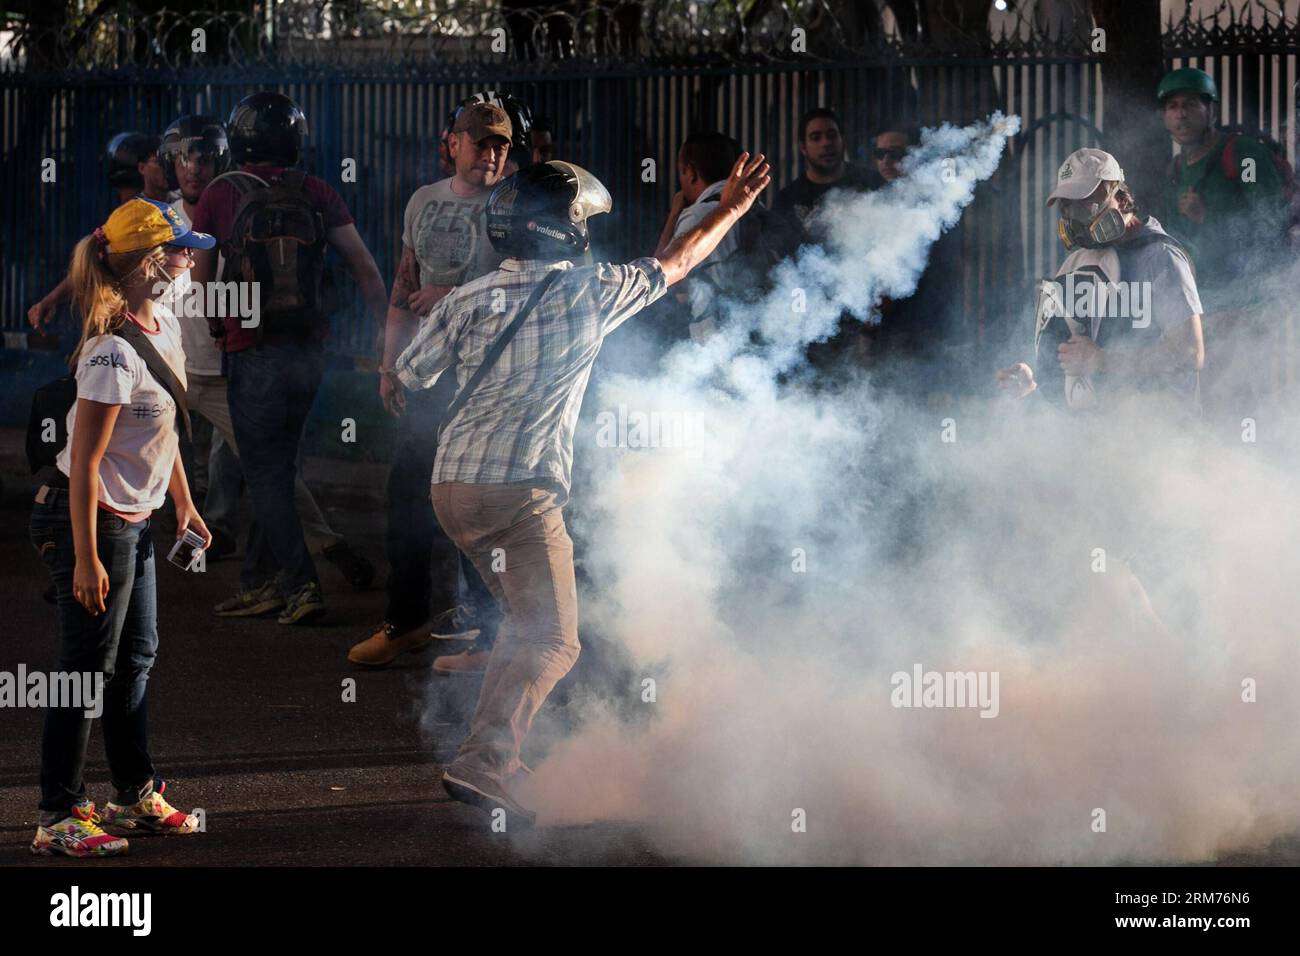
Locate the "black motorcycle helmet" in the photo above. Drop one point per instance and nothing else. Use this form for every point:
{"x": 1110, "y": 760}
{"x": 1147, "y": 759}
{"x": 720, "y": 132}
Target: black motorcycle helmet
{"x": 267, "y": 127}
{"x": 125, "y": 152}
{"x": 201, "y": 134}
{"x": 541, "y": 211}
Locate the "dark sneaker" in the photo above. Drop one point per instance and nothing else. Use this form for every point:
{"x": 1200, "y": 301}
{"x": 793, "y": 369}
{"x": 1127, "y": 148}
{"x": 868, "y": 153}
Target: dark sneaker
{"x": 254, "y": 603}
{"x": 488, "y": 794}
{"x": 454, "y": 624}
{"x": 359, "y": 572}
{"x": 302, "y": 605}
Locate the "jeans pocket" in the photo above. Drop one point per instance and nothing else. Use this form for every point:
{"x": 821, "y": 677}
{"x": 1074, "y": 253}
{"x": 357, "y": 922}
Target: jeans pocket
{"x": 108, "y": 523}
{"x": 46, "y": 542}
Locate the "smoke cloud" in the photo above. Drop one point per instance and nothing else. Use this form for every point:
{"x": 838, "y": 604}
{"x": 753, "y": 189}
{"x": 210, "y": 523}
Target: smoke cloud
{"x": 1125, "y": 579}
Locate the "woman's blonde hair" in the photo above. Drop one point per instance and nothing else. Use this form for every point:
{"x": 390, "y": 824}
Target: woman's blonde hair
{"x": 98, "y": 279}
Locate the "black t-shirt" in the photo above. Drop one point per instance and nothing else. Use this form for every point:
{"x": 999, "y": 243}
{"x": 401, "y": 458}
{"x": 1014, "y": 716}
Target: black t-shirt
{"x": 802, "y": 195}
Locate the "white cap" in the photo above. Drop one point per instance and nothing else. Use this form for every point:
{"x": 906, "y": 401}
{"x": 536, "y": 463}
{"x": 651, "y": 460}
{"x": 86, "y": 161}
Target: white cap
{"x": 1082, "y": 172}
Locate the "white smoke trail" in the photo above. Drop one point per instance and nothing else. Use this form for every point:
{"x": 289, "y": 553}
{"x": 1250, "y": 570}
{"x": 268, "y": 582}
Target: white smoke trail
{"x": 772, "y": 578}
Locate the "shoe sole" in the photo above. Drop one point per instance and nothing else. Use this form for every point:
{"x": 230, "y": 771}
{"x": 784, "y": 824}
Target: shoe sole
{"x": 421, "y": 649}
{"x": 303, "y": 614}
{"x": 458, "y": 637}
{"x": 457, "y": 672}
{"x": 464, "y": 792}
{"x": 53, "y": 850}
{"x": 257, "y": 610}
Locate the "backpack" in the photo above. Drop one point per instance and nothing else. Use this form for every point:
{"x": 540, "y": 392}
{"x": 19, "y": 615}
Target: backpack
{"x": 763, "y": 239}
{"x": 277, "y": 239}
{"x": 53, "y": 400}
{"x": 1231, "y": 169}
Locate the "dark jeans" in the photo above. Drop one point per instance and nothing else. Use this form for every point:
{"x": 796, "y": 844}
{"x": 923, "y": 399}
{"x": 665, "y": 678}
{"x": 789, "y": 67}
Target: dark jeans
{"x": 271, "y": 391}
{"x": 121, "y": 644}
{"x": 412, "y": 527}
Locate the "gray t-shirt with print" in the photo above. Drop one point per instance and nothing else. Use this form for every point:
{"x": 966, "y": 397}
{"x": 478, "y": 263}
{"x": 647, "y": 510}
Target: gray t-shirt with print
{"x": 448, "y": 234}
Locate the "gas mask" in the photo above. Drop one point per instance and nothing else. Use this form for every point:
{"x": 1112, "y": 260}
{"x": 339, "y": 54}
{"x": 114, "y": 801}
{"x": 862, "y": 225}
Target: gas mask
{"x": 1090, "y": 225}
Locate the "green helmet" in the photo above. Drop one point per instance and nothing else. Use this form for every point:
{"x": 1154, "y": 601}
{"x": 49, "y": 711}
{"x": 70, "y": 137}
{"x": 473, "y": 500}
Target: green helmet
{"x": 1190, "y": 79}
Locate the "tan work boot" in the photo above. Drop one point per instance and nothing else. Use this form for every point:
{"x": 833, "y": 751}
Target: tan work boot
{"x": 471, "y": 662}
{"x": 385, "y": 645}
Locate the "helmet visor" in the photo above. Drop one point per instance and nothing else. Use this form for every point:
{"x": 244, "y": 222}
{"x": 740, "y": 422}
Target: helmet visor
{"x": 592, "y": 197}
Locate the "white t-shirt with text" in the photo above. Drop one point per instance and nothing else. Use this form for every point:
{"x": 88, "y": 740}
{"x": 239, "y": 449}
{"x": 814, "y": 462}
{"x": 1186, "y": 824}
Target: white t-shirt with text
{"x": 137, "y": 465}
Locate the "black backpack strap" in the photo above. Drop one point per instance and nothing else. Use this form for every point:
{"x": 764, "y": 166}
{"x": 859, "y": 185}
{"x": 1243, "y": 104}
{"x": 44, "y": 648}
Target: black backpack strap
{"x": 497, "y": 348}
{"x": 155, "y": 364}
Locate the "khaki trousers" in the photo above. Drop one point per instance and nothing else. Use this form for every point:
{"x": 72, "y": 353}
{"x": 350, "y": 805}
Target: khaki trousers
{"x": 515, "y": 536}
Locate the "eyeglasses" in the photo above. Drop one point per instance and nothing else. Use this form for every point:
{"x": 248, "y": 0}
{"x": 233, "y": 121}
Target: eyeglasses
{"x": 892, "y": 152}
{"x": 183, "y": 251}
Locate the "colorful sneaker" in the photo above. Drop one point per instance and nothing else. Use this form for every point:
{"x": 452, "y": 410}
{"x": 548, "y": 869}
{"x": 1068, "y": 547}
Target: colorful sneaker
{"x": 453, "y": 624}
{"x": 303, "y": 605}
{"x": 471, "y": 662}
{"x": 151, "y": 814}
{"x": 385, "y": 645}
{"x": 253, "y": 603}
{"x": 78, "y": 834}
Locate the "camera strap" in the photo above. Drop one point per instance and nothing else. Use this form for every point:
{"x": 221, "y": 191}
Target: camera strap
{"x": 157, "y": 366}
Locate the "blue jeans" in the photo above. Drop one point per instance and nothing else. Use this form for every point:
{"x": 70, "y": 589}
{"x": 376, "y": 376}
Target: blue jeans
{"x": 412, "y": 526}
{"x": 121, "y": 644}
{"x": 271, "y": 391}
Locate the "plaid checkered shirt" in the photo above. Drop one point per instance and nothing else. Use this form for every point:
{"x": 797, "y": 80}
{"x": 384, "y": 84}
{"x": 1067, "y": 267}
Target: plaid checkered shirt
{"x": 519, "y": 422}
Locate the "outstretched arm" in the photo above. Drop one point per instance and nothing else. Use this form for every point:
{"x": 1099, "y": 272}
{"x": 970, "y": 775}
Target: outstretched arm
{"x": 749, "y": 177}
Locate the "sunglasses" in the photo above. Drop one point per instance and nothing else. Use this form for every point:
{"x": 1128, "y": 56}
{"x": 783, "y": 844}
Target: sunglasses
{"x": 184, "y": 251}
{"x": 892, "y": 152}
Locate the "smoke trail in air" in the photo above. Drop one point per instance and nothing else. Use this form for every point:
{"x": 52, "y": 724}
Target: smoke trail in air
{"x": 804, "y": 547}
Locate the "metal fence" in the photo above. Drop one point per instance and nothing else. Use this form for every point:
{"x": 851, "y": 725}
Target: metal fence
{"x": 619, "y": 83}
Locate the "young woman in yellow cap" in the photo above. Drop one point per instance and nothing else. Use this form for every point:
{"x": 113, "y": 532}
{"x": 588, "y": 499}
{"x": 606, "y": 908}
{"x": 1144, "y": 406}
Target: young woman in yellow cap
{"x": 91, "y": 527}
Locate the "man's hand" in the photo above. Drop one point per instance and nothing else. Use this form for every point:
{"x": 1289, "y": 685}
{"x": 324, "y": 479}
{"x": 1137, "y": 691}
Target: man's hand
{"x": 746, "y": 183}
{"x": 1079, "y": 356}
{"x": 747, "y": 180}
{"x": 422, "y": 300}
{"x": 1191, "y": 206}
{"x": 392, "y": 393}
{"x": 1016, "y": 380}
{"x": 40, "y": 314}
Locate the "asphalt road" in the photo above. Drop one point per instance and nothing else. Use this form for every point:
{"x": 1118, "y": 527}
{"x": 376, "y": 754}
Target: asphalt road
{"x": 247, "y": 720}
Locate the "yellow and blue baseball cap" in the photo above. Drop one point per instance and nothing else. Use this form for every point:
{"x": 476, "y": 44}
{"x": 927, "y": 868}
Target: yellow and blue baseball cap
{"x": 141, "y": 223}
